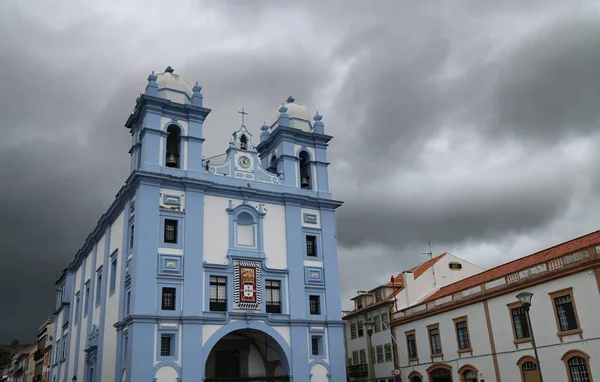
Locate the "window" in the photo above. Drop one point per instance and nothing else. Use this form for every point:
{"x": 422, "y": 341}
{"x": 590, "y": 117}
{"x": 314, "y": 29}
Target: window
{"x": 113, "y": 275}
{"x": 273, "y": 296}
{"x": 77, "y": 307}
{"x": 565, "y": 312}
{"x": 519, "y": 322}
{"x": 435, "y": 342}
{"x": 64, "y": 347}
{"x": 373, "y": 359}
{"x": 311, "y": 246}
{"x": 131, "y": 237}
{"x": 353, "y": 330}
{"x": 170, "y": 234}
{"x": 165, "y": 345}
{"x": 378, "y": 296}
{"x": 305, "y": 180}
{"x": 388, "y": 352}
{"x": 577, "y": 364}
{"x": 355, "y": 357}
{"x": 469, "y": 376}
{"x": 363, "y": 356}
{"x": 384, "y": 321}
{"x": 462, "y": 334}
{"x": 128, "y": 302}
{"x": 455, "y": 266}
{"x": 315, "y": 305}
{"x": 411, "y": 345}
{"x": 98, "y": 288}
{"x": 360, "y": 328}
{"x": 168, "y": 299}
{"x": 376, "y": 324}
{"x": 359, "y": 303}
{"x": 315, "y": 345}
{"x": 380, "y": 358}
{"x": 86, "y": 306}
{"x": 218, "y": 293}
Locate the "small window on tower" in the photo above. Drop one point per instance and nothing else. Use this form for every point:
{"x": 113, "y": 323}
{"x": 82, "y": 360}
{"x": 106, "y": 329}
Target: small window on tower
{"x": 243, "y": 142}
{"x": 311, "y": 246}
{"x": 168, "y": 299}
{"x": 315, "y": 305}
{"x": 170, "y": 231}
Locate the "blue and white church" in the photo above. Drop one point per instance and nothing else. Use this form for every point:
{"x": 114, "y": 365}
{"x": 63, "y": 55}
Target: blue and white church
{"x": 208, "y": 269}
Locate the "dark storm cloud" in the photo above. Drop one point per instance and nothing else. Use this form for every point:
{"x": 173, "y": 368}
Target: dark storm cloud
{"x": 73, "y": 83}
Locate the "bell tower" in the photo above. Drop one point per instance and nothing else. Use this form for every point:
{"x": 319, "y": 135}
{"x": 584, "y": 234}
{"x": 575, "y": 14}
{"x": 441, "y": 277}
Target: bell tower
{"x": 166, "y": 126}
{"x": 296, "y": 149}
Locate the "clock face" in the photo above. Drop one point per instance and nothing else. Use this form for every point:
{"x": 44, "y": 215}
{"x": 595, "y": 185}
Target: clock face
{"x": 244, "y": 161}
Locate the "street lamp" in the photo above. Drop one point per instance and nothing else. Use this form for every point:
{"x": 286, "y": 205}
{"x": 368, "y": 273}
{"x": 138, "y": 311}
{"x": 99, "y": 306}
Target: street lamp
{"x": 525, "y": 298}
{"x": 368, "y": 324}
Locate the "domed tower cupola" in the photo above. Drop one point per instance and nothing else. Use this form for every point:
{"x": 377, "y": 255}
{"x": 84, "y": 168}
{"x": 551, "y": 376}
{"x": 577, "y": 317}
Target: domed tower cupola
{"x": 166, "y": 126}
{"x": 294, "y": 147}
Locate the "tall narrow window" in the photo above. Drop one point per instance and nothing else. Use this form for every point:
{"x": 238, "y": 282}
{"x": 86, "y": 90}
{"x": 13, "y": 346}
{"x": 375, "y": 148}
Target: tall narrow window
{"x": 311, "y": 245}
{"x": 385, "y": 321}
{"x": 376, "y": 324}
{"x": 566, "y": 313}
{"x": 113, "y": 275}
{"x": 218, "y": 293}
{"x": 165, "y": 345}
{"x": 411, "y": 345}
{"x": 305, "y": 180}
{"x": 170, "y": 234}
{"x": 353, "y": 330}
{"x": 168, "y": 299}
{"x": 378, "y": 296}
{"x": 360, "y": 328}
{"x": 520, "y": 323}
{"x": 86, "y": 303}
{"x": 578, "y": 370}
{"x": 315, "y": 305}
{"x": 128, "y": 302}
{"x": 173, "y": 146}
{"x": 363, "y": 356}
{"x": 131, "y": 236}
{"x": 77, "y": 307}
{"x": 388, "y": 352}
{"x": 462, "y": 333}
{"x": 98, "y": 289}
{"x": 355, "y": 357}
{"x": 435, "y": 341}
{"x": 380, "y": 358}
{"x": 273, "y": 296}
{"x": 315, "y": 345}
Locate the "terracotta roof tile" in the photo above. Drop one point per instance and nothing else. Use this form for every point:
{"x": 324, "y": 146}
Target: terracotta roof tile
{"x": 421, "y": 268}
{"x": 519, "y": 264}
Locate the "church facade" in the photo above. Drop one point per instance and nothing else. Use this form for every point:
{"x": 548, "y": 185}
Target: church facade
{"x": 221, "y": 268}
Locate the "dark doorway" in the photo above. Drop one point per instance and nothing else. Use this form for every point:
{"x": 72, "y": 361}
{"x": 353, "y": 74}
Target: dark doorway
{"x": 227, "y": 364}
{"x": 441, "y": 375}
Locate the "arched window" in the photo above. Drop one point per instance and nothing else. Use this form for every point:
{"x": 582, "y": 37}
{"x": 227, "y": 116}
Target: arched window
{"x": 243, "y": 142}
{"x": 305, "y": 178}
{"x": 273, "y": 164}
{"x": 469, "y": 376}
{"x": 415, "y": 377}
{"x": 440, "y": 373}
{"x": 528, "y": 369}
{"x": 578, "y": 366}
{"x": 173, "y": 146}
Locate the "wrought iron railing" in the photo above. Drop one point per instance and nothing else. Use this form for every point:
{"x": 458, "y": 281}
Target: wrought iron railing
{"x": 361, "y": 370}
{"x": 218, "y": 304}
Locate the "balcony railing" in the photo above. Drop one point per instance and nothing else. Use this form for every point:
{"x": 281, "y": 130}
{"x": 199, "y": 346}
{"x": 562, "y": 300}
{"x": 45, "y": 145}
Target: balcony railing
{"x": 273, "y": 307}
{"x": 38, "y": 355}
{"x": 361, "y": 370}
{"x": 218, "y": 305}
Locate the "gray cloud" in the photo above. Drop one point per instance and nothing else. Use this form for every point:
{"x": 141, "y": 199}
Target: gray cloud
{"x": 449, "y": 126}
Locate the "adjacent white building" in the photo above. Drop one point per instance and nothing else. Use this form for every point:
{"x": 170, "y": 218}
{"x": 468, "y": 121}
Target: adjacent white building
{"x": 476, "y": 330}
{"x": 407, "y": 288}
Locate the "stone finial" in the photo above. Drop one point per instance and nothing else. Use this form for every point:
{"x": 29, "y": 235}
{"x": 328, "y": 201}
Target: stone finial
{"x": 284, "y": 119}
{"x": 283, "y": 109}
{"x": 197, "y": 97}
{"x": 152, "y": 87}
{"x": 169, "y": 70}
{"x": 290, "y": 99}
{"x": 264, "y": 134}
{"x": 318, "y": 126}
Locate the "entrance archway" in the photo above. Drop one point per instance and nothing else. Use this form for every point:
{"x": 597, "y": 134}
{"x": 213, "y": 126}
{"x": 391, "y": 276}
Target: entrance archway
{"x": 246, "y": 355}
{"x": 440, "y": 373}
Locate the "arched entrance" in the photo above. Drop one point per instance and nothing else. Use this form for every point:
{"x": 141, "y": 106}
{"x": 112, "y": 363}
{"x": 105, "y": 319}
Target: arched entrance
{"x": 246, "y": 355}
{"x": 440, "y": 373}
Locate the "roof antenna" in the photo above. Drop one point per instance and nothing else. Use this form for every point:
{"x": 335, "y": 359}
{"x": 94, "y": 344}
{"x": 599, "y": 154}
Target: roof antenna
{"x": 430, "y": 254}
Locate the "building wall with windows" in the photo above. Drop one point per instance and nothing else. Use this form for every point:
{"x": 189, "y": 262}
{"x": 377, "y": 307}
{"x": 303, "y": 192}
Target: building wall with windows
{"x": 377, "y": 304}
{"x": 478, "y": 329}
{"x": 199, "y": 257}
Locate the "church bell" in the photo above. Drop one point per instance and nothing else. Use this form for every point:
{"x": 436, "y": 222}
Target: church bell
{"x": 303, "y": 179}
{"x": 171, "y": 160}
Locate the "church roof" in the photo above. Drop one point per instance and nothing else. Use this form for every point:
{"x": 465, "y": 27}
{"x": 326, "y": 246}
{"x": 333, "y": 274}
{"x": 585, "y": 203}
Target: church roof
{"x": 297, "y": 113}
{"x": 170, "y": 80}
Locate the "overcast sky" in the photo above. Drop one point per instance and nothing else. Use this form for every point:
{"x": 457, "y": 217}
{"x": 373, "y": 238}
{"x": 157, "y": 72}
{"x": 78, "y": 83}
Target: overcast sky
{"x": 471, "y": 124}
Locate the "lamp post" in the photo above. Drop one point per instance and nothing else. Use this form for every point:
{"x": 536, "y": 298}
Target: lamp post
{"x": 368, "y": 324}
{"x": 525, "y": 298}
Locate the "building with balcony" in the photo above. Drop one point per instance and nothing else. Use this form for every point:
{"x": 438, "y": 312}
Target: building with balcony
{"x": 376, "y": 305}
{"x": 43, "y": 352}
{"x": 219, "y": 268}
{"x": 477, "y": 330}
